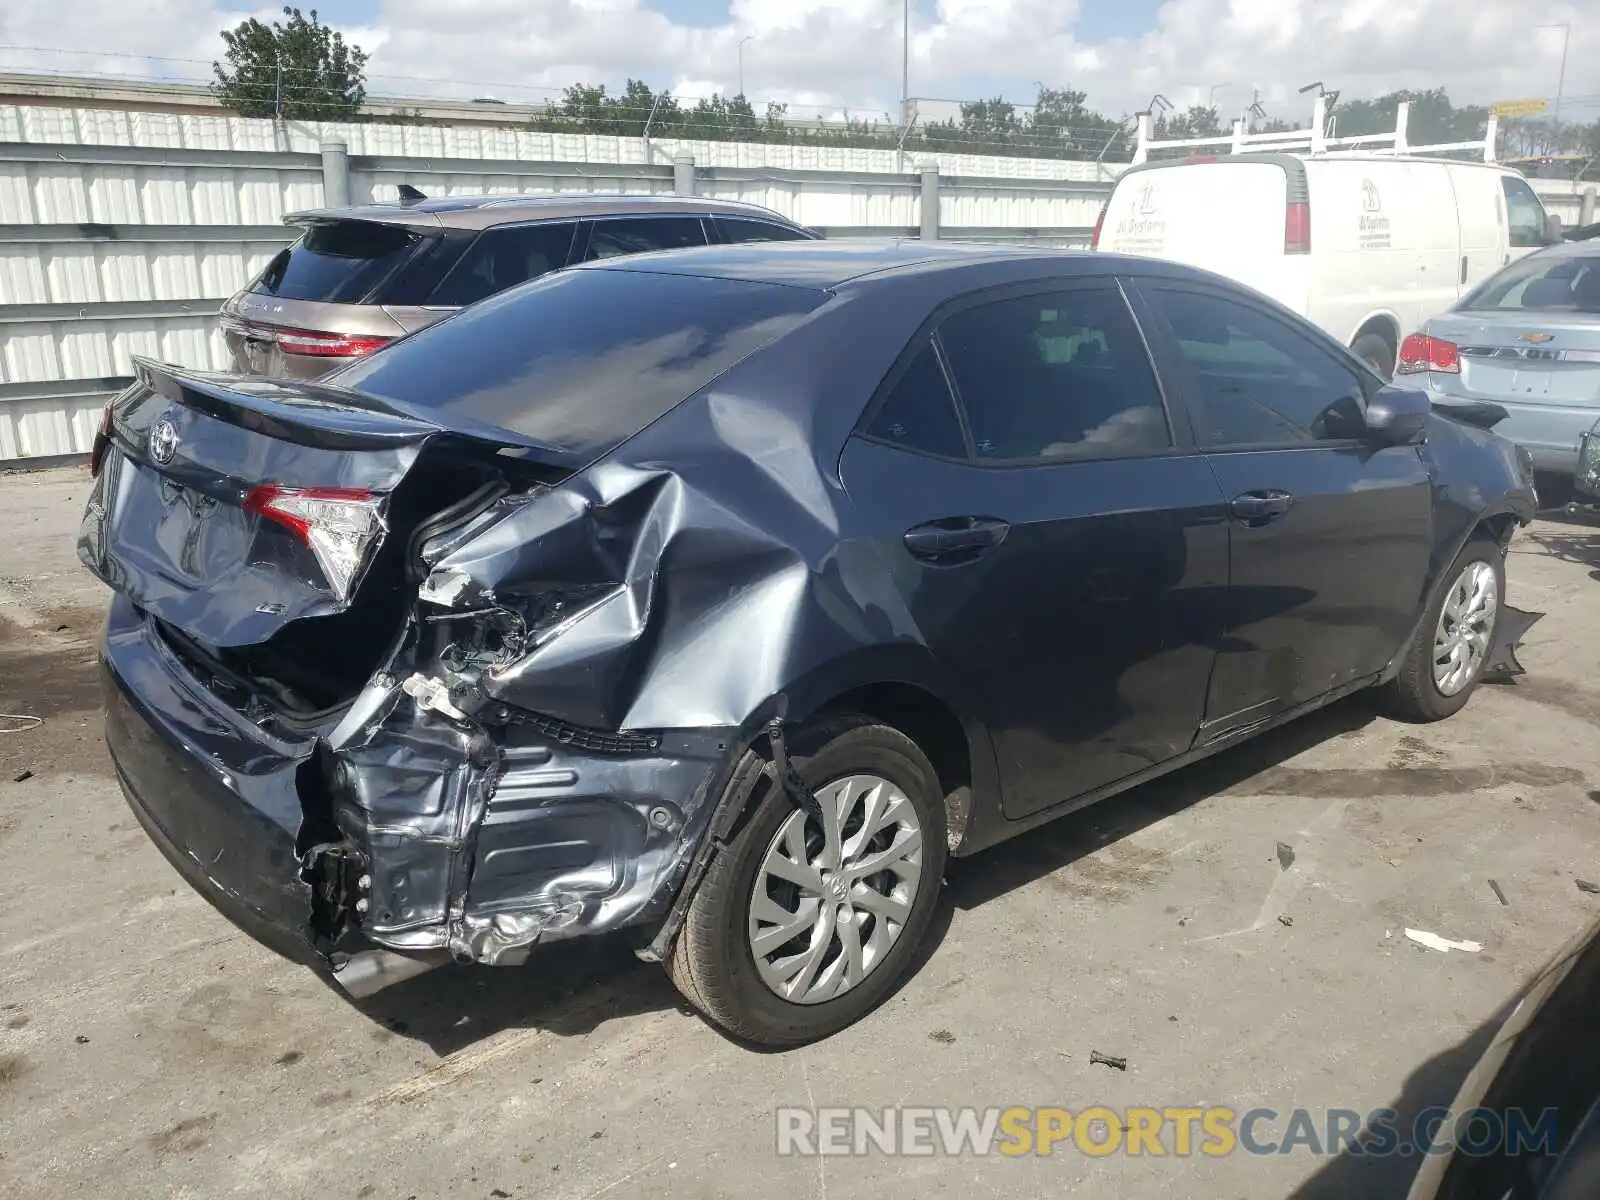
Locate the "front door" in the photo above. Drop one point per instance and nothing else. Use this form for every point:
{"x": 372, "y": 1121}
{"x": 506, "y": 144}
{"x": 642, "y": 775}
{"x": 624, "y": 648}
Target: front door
{"x": 1061, "y": 554}
{"x": 1330, "y": 534}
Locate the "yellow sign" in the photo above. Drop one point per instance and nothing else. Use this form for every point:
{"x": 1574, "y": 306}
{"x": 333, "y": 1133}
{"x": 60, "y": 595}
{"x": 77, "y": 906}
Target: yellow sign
{"x": 1519, "y": 108}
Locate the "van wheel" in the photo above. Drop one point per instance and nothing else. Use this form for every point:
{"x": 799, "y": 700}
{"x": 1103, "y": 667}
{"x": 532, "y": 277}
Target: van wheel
{"x": 801, "y": 927}
{"x": 1445, "y": 663}
{"x": 1374, "y": 350}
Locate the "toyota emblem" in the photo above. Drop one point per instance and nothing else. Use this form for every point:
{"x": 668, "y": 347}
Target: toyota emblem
{"x": 163, "y": 442}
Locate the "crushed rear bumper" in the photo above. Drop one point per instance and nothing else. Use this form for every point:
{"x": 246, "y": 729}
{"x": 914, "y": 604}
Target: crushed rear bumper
{"x": 385, "y": 846}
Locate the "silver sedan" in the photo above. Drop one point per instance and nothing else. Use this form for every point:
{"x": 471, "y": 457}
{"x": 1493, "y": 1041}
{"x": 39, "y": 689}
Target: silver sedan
{"x": 1527, "y": 339}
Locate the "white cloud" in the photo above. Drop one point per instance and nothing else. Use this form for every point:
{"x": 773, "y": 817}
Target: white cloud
{"x": 835, "y": 54}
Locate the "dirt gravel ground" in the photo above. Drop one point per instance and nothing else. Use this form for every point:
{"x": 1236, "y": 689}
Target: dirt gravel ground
{"x": 149, "y": 1050}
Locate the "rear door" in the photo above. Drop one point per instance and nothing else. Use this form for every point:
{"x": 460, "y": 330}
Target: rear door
{"x": 1061, "y": 551}
{"x": 1329, "y": 537}
{"x": 1227, "y": 217}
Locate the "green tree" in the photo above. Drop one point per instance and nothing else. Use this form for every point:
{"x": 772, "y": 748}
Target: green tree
{"x": 299, "y": 69}
{"x": 1060, "y": 126}
{"x": 1197, "y": 121}
{"x": 1433, "y": 118}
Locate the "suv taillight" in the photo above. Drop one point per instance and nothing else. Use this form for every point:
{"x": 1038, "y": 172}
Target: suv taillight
{"x": 309, "y": 344}
{"x": 1297, "y": 228}
{"x": 1099, "y": 224}
{"x": 1419, "y": 353}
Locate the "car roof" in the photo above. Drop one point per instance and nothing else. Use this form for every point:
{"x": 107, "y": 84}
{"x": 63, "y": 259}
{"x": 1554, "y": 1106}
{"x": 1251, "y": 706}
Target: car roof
{"x": 487, "y": 211}
{"x": 827, "y": 265}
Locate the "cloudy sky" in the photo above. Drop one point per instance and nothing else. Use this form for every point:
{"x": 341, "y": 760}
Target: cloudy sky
{"x": 838, "y": 53}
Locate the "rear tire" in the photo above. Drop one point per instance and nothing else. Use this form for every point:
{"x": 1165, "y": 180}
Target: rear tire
{"x": 1374, "y": 350}
{"x": 867, "y": 928}
{"x": 1443, "y": 666}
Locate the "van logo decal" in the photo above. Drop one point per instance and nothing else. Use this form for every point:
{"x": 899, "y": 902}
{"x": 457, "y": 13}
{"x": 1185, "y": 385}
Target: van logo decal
{"x": 1140, "y": 229}
{"x": 1373, "y": 230}
{"x": 163, "y": 442}
{"x": 1536, "y": 337}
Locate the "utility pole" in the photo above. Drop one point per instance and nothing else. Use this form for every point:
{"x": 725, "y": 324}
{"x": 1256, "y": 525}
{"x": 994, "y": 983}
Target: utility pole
{"x": 742, "y": 41}
{"x": 1561, "y": 77}
{"x": 905, "y": 63}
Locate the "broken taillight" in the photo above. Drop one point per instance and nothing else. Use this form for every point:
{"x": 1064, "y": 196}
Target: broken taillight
{"x": 338, "y": 525}
{"x": 309, "y": 344}
{"x": 102, "y": 441}
{"x": 1420, "y": 352}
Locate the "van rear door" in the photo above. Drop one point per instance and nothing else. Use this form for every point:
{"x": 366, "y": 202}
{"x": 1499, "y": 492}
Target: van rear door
{"x": 1226, "y": 216}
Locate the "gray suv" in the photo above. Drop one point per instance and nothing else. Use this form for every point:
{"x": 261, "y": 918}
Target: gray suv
{"x": 360, "y": 277}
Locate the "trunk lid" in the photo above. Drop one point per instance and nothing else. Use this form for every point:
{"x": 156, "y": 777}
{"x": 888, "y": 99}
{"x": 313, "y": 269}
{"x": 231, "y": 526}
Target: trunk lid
{"x": 1544, "y": 367}
{"x": 232, "y": 508}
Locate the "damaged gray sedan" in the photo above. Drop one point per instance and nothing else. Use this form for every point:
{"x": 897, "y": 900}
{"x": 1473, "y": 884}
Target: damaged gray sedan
{"x": 715, "y": 597}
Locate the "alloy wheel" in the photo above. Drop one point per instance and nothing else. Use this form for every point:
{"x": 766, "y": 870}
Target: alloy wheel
{"x": 831, "y": 898}
{"x": 1466, "y": 623}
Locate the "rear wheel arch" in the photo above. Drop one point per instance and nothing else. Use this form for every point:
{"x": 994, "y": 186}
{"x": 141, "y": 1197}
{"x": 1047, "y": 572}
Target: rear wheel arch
{"x": 956, "y": 744}
{"x": 934, "y": 726}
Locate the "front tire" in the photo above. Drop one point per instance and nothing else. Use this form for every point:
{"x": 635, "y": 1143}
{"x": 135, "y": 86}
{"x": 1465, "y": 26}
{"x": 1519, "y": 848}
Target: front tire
{"x": 800, "y": 929}
{"x": 1445, "y": 663}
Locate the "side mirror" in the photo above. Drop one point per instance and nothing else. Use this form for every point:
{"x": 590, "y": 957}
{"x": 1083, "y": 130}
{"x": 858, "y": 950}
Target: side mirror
{"x": 1552, "y": 230}
{"x": 1397, "y": 415}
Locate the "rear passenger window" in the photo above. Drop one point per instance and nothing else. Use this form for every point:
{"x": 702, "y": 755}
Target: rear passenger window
{"x": 919, "y": 413}
{"x": 742, "y": 229}
{"x": 637, "y": 235}
{"x": 502, "y": 258}
{"x": 1258, "y": 380}
{"x": 1056, "y": 376}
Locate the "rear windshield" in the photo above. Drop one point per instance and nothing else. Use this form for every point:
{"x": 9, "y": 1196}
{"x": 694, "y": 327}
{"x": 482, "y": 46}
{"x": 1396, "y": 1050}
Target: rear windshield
{"x": 1540, "y": 283}
{"x": 581, "y": 360}
{"x": 341, "y": 262}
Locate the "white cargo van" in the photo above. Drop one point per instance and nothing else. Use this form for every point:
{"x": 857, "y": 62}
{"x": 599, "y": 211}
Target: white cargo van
{"x": 1368, "y": 246}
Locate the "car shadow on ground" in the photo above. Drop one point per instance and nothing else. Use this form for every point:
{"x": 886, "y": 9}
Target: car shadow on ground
{"x": 1572, "y": 539}
{"x": 572, "y": 988}
{"x": 1357, "y": 1175}
{"x": 1046, "y": 850}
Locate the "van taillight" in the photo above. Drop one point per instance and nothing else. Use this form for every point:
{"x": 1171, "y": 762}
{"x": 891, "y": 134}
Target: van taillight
{"x": 1297, "y": 228}
{"x": 1419, "y": 353}
{"x": 1099, "y": 224}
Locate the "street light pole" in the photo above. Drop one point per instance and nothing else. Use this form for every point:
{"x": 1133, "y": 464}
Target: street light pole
{"x": 905, "y": 63}
{"x": 1561, "y": 77}
{"x": 742, "y": 41}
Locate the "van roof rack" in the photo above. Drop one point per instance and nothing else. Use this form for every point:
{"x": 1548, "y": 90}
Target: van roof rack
{"x": 1317, "y": 140}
